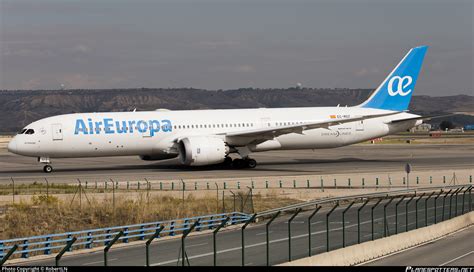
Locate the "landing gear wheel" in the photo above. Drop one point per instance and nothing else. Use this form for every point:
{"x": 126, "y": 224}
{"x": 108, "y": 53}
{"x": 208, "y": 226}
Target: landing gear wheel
{"x": 227, "y": 161}
{"x": 48, "y": 168}
{"x": 238, "y": 164}
{"x": 251, "y": 163}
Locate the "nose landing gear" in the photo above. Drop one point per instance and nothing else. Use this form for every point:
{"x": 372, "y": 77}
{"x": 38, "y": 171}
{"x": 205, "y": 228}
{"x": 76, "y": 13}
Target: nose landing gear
{"x": 47, "y": 168}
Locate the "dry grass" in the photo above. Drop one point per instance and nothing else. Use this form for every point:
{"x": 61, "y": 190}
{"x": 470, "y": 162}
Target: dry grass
{"x": 44, "y": 215}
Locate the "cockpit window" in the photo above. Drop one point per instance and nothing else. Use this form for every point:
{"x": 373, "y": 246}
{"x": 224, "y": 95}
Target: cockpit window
{"x": 30, "y": 131}
{"x": 22, "y": 131}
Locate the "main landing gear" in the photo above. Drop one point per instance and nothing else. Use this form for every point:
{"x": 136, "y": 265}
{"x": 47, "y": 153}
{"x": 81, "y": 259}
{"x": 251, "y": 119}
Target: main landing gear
{"x": 240, "y": 163}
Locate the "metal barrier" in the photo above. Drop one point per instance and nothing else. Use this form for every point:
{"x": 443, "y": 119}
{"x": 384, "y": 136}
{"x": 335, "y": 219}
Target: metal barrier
{"x": 100, "y": 237}
{"x": 44, "y": 244}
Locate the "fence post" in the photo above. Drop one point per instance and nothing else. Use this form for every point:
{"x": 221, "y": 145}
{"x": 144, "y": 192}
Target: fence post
{"x": 456, "y": 207}
{"x": 444, "y": 202}
{"x": 358, "y": 219}
{"x": 396, "y": 213}
{"x": 25, "y": 247}
{"x": 385, "y": 225}
{"x": 125, "y": 233}
{"x": 186, "y": 223}
{"x": 214, "y": 233}
{"x": 47, "y": 251}
{"x": 289, "y": 232}
{"x": 435, "y": 206}
{"x": 327, "y": 225}
{"x": 171, "y": 228}
{"x": 450, "y": 201}
{"x": 406, "y": 212}
{"x": 464, "y": 197}
{"x": 106, "y": 242}
{"x": 242, "y": 230}
{"x": 9, "y": 253}
{"x": 416, "y": 210}
{"x": 344, "y": 222}
{"x": 426, "y": 208}
{"x": 267, "y": 226}
{"x": 142, "y": 233}
{"x": 106, "y": 249}
{"x": 372, "y": 215}
{"x": 183, "y": 236}
{"x": 148, "y": 242}
{"x": 470, "y": 199}
{"x": 309, "y": 229}
{"x": 66, "y": 248}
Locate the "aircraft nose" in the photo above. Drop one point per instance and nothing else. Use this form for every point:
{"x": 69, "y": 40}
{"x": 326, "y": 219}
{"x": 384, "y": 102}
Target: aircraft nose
{"x": 12, "y": 145}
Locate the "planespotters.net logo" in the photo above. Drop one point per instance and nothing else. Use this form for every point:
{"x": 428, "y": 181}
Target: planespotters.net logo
{"x": 439, "y": 269}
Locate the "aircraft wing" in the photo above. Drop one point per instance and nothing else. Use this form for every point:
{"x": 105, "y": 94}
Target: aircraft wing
{"x": 263, "y": 134}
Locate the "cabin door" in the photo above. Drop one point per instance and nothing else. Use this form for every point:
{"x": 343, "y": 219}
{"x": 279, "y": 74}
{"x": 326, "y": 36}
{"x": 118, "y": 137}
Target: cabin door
{"x": 57, "y": 132}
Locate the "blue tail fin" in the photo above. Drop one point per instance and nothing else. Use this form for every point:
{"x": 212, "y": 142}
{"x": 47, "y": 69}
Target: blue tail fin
{"x": 395, "y": 91}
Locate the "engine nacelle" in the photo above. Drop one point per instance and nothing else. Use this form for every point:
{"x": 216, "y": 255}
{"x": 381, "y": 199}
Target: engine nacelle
{"x": 202, "y": 150}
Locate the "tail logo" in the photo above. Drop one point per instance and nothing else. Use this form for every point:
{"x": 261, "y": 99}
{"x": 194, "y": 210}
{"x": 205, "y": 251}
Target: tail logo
{"x": 401, "y": 83}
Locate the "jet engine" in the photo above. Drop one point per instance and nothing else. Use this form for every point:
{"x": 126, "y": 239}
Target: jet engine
{"x": 202, "y": 150}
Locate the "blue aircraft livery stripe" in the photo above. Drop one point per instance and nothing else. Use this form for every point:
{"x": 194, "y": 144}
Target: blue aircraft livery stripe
{"x": 111, "y": 126}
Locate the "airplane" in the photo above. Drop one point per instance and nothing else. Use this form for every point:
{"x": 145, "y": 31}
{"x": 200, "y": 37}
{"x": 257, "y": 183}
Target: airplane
{"x": 208, "y": 137}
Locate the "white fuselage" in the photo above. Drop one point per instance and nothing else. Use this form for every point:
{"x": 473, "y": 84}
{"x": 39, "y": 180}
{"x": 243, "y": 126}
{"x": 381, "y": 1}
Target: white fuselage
{"x": 154, "y": 133}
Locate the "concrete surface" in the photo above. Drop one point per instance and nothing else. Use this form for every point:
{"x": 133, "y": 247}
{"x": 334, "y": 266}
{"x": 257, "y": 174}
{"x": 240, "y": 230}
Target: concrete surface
{"x": 453, "y": 250}
{"x": 383, "y": 161}
{"x": 373, "y": 249}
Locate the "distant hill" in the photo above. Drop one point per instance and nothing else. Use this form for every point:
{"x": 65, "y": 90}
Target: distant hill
{"x": 18, "y": 108}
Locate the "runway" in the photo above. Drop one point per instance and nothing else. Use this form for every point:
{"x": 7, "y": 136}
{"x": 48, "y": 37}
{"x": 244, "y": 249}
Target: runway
{"x": 199, "y": 248}
{"x": 363, "y": 158}
{"x": 453, "y": 250}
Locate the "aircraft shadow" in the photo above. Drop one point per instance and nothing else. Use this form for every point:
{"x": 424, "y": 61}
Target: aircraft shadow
{"x": 288, "y": 166}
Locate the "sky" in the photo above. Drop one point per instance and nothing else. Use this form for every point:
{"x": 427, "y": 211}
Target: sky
{"x": 228, "y": 44}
